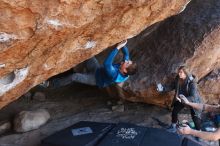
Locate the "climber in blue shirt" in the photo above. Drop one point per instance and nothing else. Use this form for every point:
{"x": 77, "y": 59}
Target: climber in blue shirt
{"x": 101, "y": 75}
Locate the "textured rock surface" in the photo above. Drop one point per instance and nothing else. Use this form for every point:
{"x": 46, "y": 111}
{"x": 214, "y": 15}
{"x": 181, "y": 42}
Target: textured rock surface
{"x": 39, "y": 96}
{"x": 210, "y": 87}
{"x": 30, "y": 120}
{"x": 4, "y": 126}
{"x": 191, "y": 38}
{"x": 39, "y": 39}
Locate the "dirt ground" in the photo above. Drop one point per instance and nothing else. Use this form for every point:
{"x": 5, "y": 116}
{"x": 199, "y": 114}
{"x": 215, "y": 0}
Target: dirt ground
{"x": 74, "y": 103}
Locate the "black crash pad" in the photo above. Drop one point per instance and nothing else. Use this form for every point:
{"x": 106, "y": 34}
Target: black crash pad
{"x": 79, "y": 134}
{"x": 190, "y": 142}
{"x": 124, "y": 135}
{"x": 131, "y": 135}
{"x": 160, "y": 137}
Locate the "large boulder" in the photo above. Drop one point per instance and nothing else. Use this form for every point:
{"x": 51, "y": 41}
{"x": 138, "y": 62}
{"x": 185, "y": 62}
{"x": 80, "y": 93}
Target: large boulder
{"x": 30, "y": 120}
{"x": 191, "y": 38}
{"x": 42, "y": 38}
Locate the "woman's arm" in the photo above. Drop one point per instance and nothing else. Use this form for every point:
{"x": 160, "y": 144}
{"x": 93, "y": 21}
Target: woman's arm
{"x": 199, "y": 106}
{"x": 205, "y": 107}
{"x": 201, "y": 134}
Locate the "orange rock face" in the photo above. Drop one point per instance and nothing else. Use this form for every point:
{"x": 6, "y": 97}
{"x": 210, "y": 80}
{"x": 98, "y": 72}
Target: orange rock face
{"x": 42, "y": 38}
